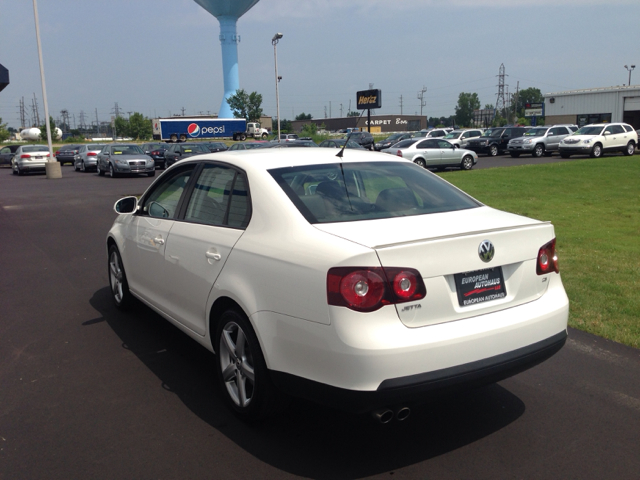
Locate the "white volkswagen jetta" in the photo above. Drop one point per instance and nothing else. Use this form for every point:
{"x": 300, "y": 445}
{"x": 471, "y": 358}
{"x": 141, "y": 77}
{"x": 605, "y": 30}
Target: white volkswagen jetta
{"x": 357, "y": 281}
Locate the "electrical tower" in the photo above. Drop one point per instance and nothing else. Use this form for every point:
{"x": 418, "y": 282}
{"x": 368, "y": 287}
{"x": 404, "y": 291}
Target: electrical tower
{"x": 116, "y": 110}
{"x": 423, "y": 103}
{"x": 23, "y": 114}
{"x": 34, "y": 109}
{"x": 83, "y": 123}
{"x": 65, "y": 120}
{"x": 500, "y": 102}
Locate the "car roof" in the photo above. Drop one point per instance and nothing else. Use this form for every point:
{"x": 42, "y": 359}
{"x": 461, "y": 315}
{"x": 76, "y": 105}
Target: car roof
{"x": 270, "y": 158}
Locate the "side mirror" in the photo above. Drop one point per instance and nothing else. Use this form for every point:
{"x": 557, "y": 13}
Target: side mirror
{"x": 126, "y": 205}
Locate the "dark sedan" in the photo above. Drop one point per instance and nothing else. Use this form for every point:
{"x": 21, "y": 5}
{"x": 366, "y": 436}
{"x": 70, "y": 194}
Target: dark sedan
{"x": 216, "y": 146}
{"x": 156, "y": 151}
{"x": 7, "y": 153}
{"x": 362, "y": 138}
{"x": 390, "y": 140}
{"x": 339, "y": 143}
{"x": 180, "y": 151}
{"x": 295, "y": 143}
{"x": 67, "y": 154}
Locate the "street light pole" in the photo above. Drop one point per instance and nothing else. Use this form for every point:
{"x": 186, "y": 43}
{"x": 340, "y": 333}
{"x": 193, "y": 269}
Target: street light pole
{"x": 274, "y": 41}
{"x": 52, "y": 167}
{"x": 630, "y": 70}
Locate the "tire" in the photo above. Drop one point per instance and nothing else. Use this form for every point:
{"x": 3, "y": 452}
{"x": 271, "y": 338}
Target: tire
{"x": 514, "y": 154}
{"x": 83, "y": 167}
{"x": 112, "y": 172}
{"x": 174, "y": 138}
{"x": 151, "y": 174}
{"x": 264, "y": 135}
{"x": 100, "y": 171}
{"x": 631, "y": 149}
{"x": 14, "y": 171}
{"x": 164, "y": 165}
{"x": 243, "y": 137}
{"x": 118, "y": 284}
{"x": 75, "y": 167}
{"x": 493, "y": 151}
{"x": 20, "y": 172}
{"x": 565, "y": 155}
{"x": 596, "y": 151}
{"x": 183, "y": 138}
{"x": 242, "y": 372}
{"x": 467, "y": 162}
{"x": 420, "y": 162}
{"x": 538, "y": 150}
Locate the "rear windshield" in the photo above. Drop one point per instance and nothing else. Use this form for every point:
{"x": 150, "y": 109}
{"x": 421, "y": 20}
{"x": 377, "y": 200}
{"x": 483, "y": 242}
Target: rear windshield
{"x": 36, "y": 148}
{"x": 406, "y": 143}
{"x": 346, "y": 192}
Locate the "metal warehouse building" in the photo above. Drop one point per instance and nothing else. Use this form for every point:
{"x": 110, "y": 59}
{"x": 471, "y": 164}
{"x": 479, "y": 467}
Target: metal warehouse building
{"x": 596, "y": 105}
{"x": 379, "y": 123}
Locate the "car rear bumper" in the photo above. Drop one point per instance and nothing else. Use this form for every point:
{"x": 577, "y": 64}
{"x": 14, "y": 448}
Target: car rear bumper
{"x": 370, "y": 360}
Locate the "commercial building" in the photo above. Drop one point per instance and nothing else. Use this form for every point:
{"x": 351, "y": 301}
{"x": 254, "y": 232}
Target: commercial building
{"x": 379, "y": 123}
{"x": 595, "y": 105}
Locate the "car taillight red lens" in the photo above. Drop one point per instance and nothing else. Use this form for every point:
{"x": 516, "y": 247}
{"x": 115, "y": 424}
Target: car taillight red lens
{"x": 547, "y": 259}
{"x": 92, "y": 154}
{"x": 399, "y": 153}
{"x": 366, "y": 289}
{"x": 25, "y": 155}
{"x": 55, "y": 154}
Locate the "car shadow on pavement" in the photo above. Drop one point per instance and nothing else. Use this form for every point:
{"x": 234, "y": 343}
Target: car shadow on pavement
{"x": 307, "y": 439}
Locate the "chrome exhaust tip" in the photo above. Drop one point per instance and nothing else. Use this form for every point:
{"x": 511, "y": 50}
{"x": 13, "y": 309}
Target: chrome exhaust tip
{"x": 383, "y": 416}
{"x": 403, "y": 413}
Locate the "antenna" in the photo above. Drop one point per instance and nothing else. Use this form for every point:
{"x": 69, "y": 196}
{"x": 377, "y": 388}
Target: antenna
{"x": 339, "y": 154}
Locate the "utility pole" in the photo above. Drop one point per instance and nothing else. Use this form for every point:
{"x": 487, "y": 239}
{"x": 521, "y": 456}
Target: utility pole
{"x": 325, "y": 111}
{"x": 181, "y": 109}
{"x": 97, "y": 123}
{"x": 129, "y": 114}
{"x": 515, "y": 104}
{"x": 341, "y": 111}
{"x": 401, "y": 105}
{"x": 423, "y": 103}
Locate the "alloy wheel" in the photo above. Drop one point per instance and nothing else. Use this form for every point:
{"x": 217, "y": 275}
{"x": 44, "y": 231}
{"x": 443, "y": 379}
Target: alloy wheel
{"x": 236, "y": 364}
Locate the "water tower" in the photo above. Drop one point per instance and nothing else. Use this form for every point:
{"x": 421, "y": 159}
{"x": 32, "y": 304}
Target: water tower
{"x": 228, "y": 12}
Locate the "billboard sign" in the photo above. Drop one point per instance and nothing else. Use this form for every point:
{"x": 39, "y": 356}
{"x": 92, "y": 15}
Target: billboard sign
{"x": 369, "y": 99}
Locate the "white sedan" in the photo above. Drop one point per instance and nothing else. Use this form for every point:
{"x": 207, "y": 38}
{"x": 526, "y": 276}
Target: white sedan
{"x": 360, "y": 281}
{"x": 435, "y": 153}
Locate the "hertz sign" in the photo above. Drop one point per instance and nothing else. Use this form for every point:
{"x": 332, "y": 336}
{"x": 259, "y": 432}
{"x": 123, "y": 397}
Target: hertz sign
{"x": 369, "y": 99}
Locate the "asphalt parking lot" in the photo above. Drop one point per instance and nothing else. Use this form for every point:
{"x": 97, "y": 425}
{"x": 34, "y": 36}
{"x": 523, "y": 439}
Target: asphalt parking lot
{"x": 87, "y": 391}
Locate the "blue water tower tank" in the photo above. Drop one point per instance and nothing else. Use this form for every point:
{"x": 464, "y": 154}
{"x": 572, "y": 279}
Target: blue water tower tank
{"x": 228, "y": 12}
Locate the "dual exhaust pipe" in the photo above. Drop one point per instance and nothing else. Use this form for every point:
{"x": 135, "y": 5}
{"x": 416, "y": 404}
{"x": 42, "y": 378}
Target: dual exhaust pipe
{"x": 385, "y": 415}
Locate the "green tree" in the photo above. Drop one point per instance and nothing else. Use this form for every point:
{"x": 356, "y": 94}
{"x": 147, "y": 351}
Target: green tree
{"x": 43, "y": 130}
{"x": 140, "y": 127}
{"x": 304, "y": 116}
{"x": 309, "y": 129}
{"x": 467, "y": 103}
{"x": 285, "y": 125}
{"x": 528, "y": 95}
{"x": 4, "y": 133}
{"x": 121, "y": 125}
{"x": 353, "y": 113}
{"x": 246, "y": 105}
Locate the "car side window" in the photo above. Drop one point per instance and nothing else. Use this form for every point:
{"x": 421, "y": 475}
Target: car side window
{"x": 425, "y": 144}
{"x": 163, "y": 201}
{"x": 210, "y": 198}
{"x": 628, "y": 128}
{"x": 444, "y": 144}
{"x": 614, "y": 129}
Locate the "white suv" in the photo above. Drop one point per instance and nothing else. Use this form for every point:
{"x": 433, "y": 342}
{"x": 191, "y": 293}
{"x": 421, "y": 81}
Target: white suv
{"x": 600, "y": 138}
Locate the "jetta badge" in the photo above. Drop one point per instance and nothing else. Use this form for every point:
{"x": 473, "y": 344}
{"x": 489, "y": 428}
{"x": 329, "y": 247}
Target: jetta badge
{"x": 486, "y": 251}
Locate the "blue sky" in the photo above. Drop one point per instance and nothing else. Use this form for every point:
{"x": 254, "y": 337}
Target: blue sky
{"x": 159, "y": 56}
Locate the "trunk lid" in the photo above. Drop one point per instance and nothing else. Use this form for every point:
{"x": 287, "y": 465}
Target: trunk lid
{"x": 442, "y": 245}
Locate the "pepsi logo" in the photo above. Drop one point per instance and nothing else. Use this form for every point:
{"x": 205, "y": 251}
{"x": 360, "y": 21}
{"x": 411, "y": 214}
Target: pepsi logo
{"x": 193, "y": 129}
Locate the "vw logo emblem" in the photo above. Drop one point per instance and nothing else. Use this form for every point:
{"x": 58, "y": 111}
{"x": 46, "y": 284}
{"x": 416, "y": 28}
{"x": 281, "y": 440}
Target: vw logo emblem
{"x": 486, "y": 251}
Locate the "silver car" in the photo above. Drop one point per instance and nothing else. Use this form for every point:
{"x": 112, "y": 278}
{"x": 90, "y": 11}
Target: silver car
{"x": 460, "y": 138}
{"x": 30, "y": 158}
{"x": 120, "y": 159}
{"x": 87, "y": 157}
{"x": 438, "y": 153}
{"x": 539, "y": 141}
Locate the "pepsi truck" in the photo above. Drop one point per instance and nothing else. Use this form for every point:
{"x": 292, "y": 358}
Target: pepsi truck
{"x": 182, "y": 129}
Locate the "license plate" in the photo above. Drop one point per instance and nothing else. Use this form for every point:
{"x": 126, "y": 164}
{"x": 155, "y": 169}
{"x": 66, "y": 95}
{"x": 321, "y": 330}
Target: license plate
{"x": 480, "y": 286}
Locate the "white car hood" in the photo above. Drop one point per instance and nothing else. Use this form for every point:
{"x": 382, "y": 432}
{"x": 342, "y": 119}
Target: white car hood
{"x": 404, "y": 230}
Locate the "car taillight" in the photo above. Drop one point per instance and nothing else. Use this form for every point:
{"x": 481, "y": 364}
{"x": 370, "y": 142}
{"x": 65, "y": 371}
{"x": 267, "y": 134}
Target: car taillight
{"x": 547, "y": 259}
{"x": 399, "y": 153}
{"x": 92, "y": 154}
{"x": 366, "y": 289}
{"x": 25, "y": 155}
{"x": 56, "y": 153}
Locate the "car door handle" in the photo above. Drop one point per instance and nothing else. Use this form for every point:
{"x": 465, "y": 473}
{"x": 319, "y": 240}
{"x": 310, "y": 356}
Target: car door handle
{"x": 159, "y": 240}
{"x": 212, "y": 255}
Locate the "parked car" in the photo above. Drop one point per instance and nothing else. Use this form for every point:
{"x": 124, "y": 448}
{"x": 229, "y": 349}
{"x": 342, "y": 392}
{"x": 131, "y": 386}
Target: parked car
{"x": 538, "y": 141}
{"x": 156, "y": 151}
{"x": 87, "y": 157}
{"x": 6, "y": 154}
{"x": 66, "y": 154}
{"x": 180, "y": 151}
{"x": 247, "y": 145}
{"x": 437, "y": 132}
{"x": 295, "y": 143}
{"x": 362, "y": 282}
{"x": 339, "y": 143}
{"x": 387, "y": 142}
{"x": 597, "y": 139}
{"x": 494, "y": 141}
{"x": 216, "y": 146}
{"x": 286, "y": 137}
{"x": 437, "y": 153}
{"x": 365, "y": 139}
{"x": 122, "y": 159}
{"x": 393, "y": 149}
{"x": 460, "y": 138}
{"x": 30, "y": 158}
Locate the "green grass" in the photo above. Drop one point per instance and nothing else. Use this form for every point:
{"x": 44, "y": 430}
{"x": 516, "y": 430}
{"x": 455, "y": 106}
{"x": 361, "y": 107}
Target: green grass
{"x": 594, "y": 205}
